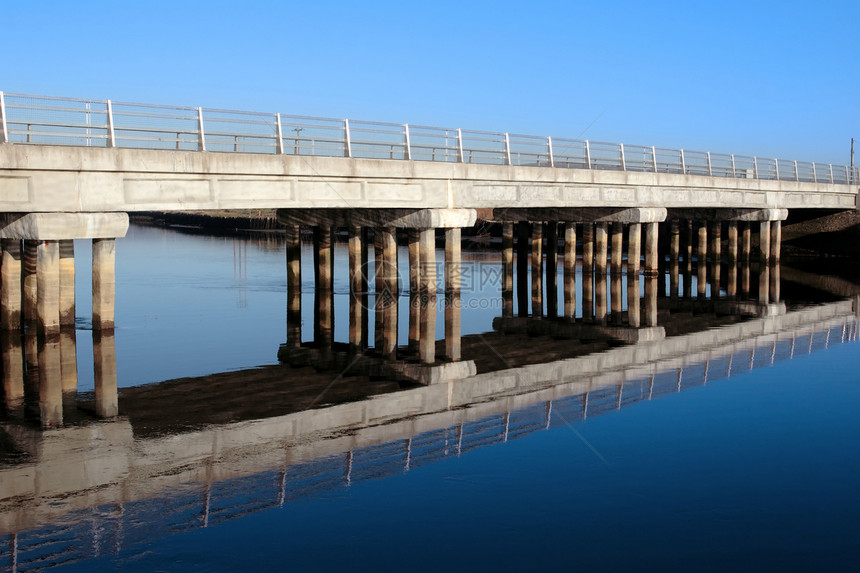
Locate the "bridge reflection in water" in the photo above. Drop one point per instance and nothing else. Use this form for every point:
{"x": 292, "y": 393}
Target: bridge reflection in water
{"x": 93, "y": 473}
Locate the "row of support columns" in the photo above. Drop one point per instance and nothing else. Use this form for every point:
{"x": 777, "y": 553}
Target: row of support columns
{"x": 596, "y": 238}
{"x": 37, "y": 284}
{"x": 422, "y": 290}
{"x": 601, "y": 239}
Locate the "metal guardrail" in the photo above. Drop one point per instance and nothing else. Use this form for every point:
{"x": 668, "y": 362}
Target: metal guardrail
{"x": 52, "y": 120}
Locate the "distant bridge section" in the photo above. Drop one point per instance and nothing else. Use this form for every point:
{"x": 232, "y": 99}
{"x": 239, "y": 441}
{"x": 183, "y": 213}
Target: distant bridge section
{"x": 73, "y": 155}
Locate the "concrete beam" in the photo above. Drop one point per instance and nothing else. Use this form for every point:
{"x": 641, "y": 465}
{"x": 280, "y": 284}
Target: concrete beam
{"x": 62, "y": 226}
{"x": 583, "y": 214}
{"x": 397, "y": 218}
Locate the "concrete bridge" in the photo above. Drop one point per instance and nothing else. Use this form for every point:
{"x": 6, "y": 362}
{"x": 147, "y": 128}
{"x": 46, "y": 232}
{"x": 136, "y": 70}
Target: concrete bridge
{"x": 73, "y": 169}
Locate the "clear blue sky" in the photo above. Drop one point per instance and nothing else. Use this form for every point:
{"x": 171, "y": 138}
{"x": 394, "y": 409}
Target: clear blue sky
{"x": 766, "y": 78}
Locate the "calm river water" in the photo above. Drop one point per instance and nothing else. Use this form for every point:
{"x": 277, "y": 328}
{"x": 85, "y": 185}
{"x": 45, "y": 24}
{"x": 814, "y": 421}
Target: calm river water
{"x": 725, "y": 438}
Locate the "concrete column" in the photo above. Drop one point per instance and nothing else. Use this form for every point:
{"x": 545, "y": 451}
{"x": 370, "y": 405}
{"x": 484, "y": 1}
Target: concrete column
{"x": 633, "y": 306}
{"x": 716, "y": 256}
{"x": 294, "y": 286}
{"x": 651, "y": 301}
{"x": 10, "y": 285}
{"x": 774, "y": 282}
{"x": 453, "y": 270}
{"x": 732, "y": 281}
{"x": 600, "y": 296}
{"x": 389, "y": 326}
{"x": 688, "y": 280}
{"x": 537, "y": 269}
{"x": 745, "y": 278}
{"x": 616, "y": 287}
{"x": 104, "y": 368}
{"x": 427, "y": 341}
{"x": 365, "y": 290}
{"x": 732, "y": 246}
{"x": 588, "y": 271}
{"x": 746, "y": 241}
{"x": 414, "y": 288}
{"x": 552, "y": 269}
{"x": 29, "y": 283}
{"x": 324, "y": 260}
{"x": 674, "y": 240}
{"x": 389, "y": 243}
{"x": 764, "y": 284}
{"x": 674, "y": 272}
{"x": 702, "y": 258}
{"x": 652, "y": 256}
{"x": 617, "y": 247}
{"x": 775, "y": 241}
{"x": 67, "y": 283}
{"x": 634, "y": 248}
{"x": 427, "y": 244}
{"x": 688, "y": 244}
{"x": 523, "y": 233}
{"x": 570, "y": 270}
{"x": 716, "y": 241}
{"x": 356, "y": 309}
{"x": 379, "y": 291}
{"x": 294, "y": 259}
{"x": 390, "y": 292}
{"x": 600, "y": 250}
{"x": 587, "y": 248}
{"x": 507, "y": 269}
{"x": 764, "y": 242}
{"x": 13, "y": 369}
{"x": 50, "y": 383}
{"x": 48, "y": 287}
{"x": 104, "y": 283}
{"x": 702, "y": 251}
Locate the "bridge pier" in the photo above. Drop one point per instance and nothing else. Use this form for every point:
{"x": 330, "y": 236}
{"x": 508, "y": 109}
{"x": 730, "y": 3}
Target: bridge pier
{"x": 46, "y": 267}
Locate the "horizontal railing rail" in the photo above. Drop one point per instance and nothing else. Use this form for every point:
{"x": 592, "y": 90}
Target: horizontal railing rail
{"x": 51, "y": 120}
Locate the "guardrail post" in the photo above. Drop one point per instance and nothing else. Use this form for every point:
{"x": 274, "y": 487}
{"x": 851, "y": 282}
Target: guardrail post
{"x": 587, "y": 155}
{"x": 4, "y": 132}
{"x": 814, "y": 173}
{"x": 654, "y": 158}
{"x": 683, "y": 163}
{"x": 847, "y": 180}
{"x": 755, "y": 167}
{"x": 460, "y": 157}
{"x": 776, "y": 168}
{"x": 507, "y": 149}
{"x": 710, "y": 170}
{"x": 549, "y": 151}
{"x": 201, "y": 137}
{"x": 111, "y": 141}
{"x": 408, "y": 142}
{"x": 623, "y": 160}
{"x": 796, "y": 176}
{"x": 347, "y": 152}
{"x": 279, "y": 131}
{"x": 734, "y": 171}
{"x": 831, "y": 173}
